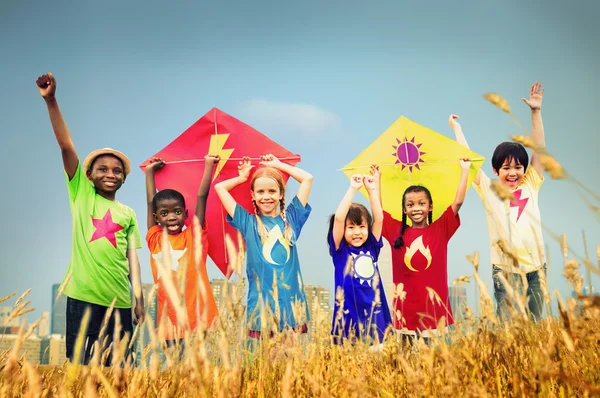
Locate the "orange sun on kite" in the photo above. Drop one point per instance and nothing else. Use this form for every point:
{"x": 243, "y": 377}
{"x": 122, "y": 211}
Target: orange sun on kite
{"x": 408, "y": 153}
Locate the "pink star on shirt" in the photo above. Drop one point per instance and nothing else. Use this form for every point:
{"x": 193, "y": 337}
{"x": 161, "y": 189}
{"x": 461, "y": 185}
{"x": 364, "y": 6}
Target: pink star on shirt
{"x": 105, "y": 228}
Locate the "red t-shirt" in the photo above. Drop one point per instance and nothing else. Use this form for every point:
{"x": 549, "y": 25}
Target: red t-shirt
{"x": 420, "y": 264}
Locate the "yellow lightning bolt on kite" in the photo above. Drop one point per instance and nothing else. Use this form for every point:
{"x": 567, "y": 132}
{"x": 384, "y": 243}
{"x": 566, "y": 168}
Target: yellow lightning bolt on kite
{"x": 217, "y": 145}
{"x": 417, "y": 246}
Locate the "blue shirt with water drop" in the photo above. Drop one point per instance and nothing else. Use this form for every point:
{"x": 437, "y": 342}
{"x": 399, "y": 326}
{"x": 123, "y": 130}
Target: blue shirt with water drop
{"x": 275, "y": 282}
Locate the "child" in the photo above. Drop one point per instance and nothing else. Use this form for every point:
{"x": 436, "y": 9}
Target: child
{"x": 166, "y": 211}
{"x": 354, "y": 240}
{"x": 420, "y": 260}
{"x": 518, "y": 223}
{"x": 274, "y": 278}
{"x": 105, "y": 238}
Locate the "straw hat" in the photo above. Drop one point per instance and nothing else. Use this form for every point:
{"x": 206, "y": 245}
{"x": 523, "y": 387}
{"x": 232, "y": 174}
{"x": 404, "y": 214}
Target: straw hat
{"x": 106, "y": 151}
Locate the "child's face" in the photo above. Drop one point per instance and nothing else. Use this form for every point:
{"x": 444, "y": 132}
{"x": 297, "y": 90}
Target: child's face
{"x": 107, "y": 174}
{"x": 511, "y": 174}
{"x": 417, "y": 207}
{"x": 267, "y": 195}
{"x": 356, "y": 235}
{"x": 171, "y": 215}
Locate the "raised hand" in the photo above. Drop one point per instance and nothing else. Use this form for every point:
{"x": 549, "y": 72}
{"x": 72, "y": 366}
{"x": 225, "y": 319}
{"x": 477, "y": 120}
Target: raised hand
{"x": 536, "y": 95}
{"x": 452, "y": 121}
{"x": 244, "y": 168}
{"x": 47, "y": 86}
{"x": 374, "y": 170}
{"x": 155, "y": 164}
{"x": 269, "y": 160}
{"x": 465, "y": 164}
{"x": 212, "y": 159}
{"x": 370, "y": 182}
{"x": 356, "y": 181}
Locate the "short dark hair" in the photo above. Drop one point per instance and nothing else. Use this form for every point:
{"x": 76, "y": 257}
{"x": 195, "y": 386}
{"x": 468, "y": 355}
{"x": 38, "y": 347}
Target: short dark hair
{"x": 356, "y": 214}
{"x": 167, "y": 194}
{"x": 509, "y": 151}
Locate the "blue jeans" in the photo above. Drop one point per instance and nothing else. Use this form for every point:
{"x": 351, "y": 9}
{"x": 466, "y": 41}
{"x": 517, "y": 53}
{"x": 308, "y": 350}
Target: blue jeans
{"x": 535, "y": 295}
{"x": 76, "y": 310}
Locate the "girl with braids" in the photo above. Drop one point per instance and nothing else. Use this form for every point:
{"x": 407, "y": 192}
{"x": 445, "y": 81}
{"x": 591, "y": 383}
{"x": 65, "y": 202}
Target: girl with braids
{"x": 420, "y": 260}
{"x": 274, "y": 279}
{"x": 354, "y": 238}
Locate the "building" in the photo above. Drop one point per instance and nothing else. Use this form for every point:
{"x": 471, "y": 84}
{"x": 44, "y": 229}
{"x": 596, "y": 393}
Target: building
{"x": 58, "y": 318}
{"x": 5, "y": 314}
{"x": 319, "y": 309}
{"x": 226, "y": 292}
{"x": 458, "y": 301}
{"x": 143, "y": 336}
{"x": 30, "y": 348}
{"x": 44, "y": 326}
{"x": 53, "y": 350}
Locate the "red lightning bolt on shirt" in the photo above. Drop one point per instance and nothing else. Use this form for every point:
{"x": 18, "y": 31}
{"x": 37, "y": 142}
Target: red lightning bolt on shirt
{"x": 518, "y": 202}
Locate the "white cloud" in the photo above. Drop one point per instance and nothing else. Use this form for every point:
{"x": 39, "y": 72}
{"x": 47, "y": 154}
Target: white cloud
{"x": 288, "y": 118}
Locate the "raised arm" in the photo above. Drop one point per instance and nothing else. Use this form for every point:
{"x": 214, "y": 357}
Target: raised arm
{"x": 47, "y": 86}
{"x": 461, "y": 191}
{"x": 460, "y": 138}
{"x": 155, "y": 164}
{"x": 204, "y": 189}
{"x": 339, "y": 220}
{"x": 534, "y": 102}
{"x": 222, "y": 189}
{"x": 305, "y": 179}
{"x": 373, "y": 185}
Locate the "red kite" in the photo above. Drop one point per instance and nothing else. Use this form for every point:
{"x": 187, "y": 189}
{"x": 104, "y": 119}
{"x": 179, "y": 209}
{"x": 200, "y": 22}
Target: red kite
{"x": 223, "y": 135}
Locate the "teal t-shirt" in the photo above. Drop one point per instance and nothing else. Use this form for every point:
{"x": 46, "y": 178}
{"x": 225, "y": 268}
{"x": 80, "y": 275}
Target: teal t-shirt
{"x": 274, "y": 262}
{"x": 103, "y": 230}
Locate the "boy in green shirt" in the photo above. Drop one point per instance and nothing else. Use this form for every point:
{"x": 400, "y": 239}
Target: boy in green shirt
{"x": 105, "y": 238}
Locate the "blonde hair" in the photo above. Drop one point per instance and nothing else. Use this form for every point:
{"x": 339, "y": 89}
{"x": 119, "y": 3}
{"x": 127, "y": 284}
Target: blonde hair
{"x": 275, "y": 175}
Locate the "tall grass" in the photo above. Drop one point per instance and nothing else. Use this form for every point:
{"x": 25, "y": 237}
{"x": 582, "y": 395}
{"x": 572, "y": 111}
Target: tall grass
{"x": 559, "y": 356}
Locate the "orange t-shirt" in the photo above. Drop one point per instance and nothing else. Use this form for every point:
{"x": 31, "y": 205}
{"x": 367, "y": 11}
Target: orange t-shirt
{"x": 198, "y": 307}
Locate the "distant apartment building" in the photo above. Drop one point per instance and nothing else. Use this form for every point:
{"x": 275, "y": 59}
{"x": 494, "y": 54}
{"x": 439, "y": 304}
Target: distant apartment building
{"x": 319, "y": 308}
{"x": 143, "y": 336}
{"x": 5, "y": 315}
{"x": 458, "y": 301}
{"x": 53, "y": 350}
{"x": 227, "y": 292}
{"x": 58, "y": 317}
{"x": 44, "y": 326}
{"x": 30, "y": 348}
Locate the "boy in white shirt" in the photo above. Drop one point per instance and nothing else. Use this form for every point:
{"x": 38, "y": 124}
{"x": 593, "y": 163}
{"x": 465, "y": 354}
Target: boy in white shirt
{"x": 516, "y": 223}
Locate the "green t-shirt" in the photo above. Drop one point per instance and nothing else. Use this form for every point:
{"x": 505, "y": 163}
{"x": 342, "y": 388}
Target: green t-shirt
{"x": 103, "y": 230}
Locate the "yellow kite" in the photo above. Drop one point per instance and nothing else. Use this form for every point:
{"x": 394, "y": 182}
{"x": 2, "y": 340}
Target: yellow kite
{"x": 410, "y": 154}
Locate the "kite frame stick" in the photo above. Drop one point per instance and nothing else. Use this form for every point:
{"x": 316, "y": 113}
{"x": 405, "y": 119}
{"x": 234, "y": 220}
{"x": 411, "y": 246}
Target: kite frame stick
{"x": 395, "y": 164}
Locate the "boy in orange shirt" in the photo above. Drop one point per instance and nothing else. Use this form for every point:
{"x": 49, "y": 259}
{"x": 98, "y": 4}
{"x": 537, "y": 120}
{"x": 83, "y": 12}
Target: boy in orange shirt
{"x": 166, "y": 211}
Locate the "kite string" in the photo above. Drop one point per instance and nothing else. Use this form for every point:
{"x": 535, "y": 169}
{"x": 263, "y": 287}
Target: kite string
{"x": 202, "y": 160}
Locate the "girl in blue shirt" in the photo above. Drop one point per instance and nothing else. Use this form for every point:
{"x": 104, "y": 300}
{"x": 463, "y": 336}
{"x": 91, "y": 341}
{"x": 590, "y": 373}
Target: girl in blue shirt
{"x": 275, "y": 282}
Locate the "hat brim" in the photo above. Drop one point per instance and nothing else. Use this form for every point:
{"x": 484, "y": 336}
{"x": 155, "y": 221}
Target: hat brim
{"x": 107, "y": 151}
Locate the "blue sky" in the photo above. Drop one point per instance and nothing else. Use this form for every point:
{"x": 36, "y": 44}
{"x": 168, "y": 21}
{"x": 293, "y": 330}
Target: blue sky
{"x": 324, "y": 79}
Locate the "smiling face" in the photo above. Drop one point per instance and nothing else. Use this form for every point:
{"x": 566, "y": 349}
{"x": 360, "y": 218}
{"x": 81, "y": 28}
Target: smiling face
{"x": 511, "y": 173}
{"x": 171, "y": 215}
{"x": 356, "y": 234}
{"x": 107, "y": 174}
{"x": 417, "y": 207}
{"x": 267, "y": 195}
